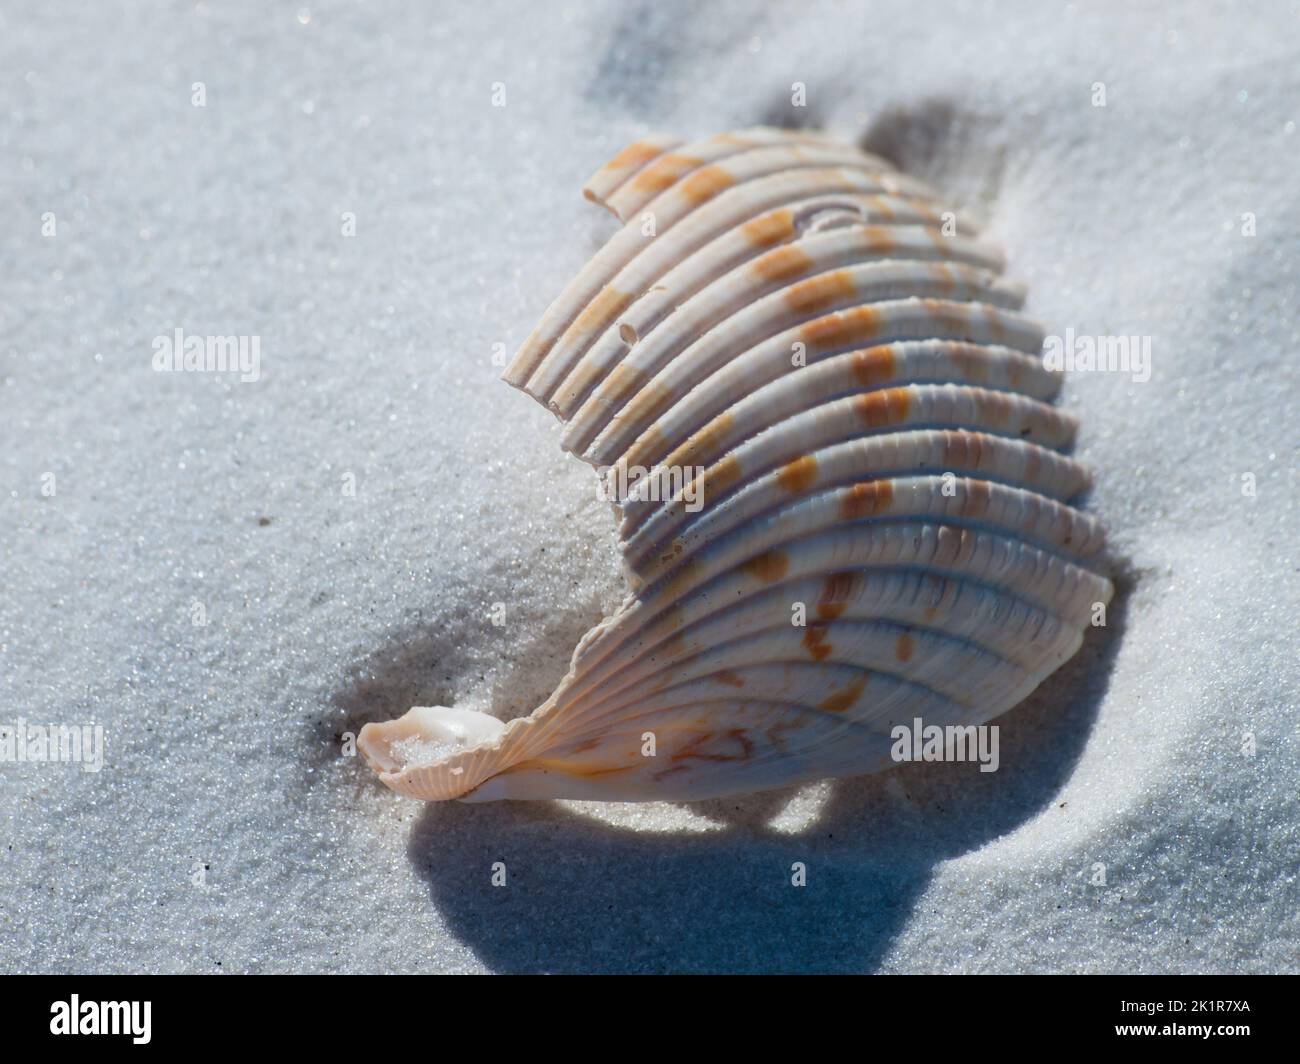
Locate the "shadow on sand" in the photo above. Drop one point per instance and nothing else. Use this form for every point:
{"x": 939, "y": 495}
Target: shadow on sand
{"x": 586, "y": 896}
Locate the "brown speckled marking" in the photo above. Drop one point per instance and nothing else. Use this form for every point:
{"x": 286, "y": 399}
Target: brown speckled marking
{"x": 974, "y": 495}
{"x": 904, "y": 647}
{"x": 814, "y": 640}
{"x": 664, "y": 173}
{"x": 701, "y": 446}
{"x": 585, "y": 745}
{"x": 819, "y": 292}
{"x": 842, "y": 328}
{"x": 884, "y": 408}
{"x": 691, "y": 749}
{"x": 602, "y": 310}
{"x": 730, "y": 678}
{"x": 770, "y": 566}
{"x": 675, "y": 550}
{"x": 930, "y": 613}
{"x": 946, "y": 280}
{"x": 844, "y": 699}
{"x": 798, "y": 475}
{"x": 835, "y": 596}
{"x": 874, "y": 366}
{"x": 867, "y": 499}
{"x": 703, "y": 185}
{"x": 782, "y": 264}
{"x": 768, "y": 229}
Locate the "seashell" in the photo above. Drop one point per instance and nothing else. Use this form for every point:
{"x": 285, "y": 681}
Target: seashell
{"x": 845, "y": 414}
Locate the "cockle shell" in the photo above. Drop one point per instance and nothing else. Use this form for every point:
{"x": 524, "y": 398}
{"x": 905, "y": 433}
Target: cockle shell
{"x": 849, "y": 425}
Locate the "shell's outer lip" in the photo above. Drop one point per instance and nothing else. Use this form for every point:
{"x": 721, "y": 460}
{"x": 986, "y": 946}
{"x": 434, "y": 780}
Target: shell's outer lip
{"x": 424, "y": 736}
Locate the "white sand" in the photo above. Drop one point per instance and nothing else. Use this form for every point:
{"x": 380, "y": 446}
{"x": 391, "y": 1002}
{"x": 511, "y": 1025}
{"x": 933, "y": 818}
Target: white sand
{"x": 225, "y": 832}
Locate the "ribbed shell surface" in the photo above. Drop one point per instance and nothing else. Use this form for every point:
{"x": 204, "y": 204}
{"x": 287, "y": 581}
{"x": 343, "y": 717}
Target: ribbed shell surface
{"x": 843, "y": 495}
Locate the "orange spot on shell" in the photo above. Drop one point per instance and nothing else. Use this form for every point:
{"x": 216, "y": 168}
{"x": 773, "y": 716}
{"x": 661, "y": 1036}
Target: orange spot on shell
{"x": 664, "y": 172}
{"x": 651, "y": 400}
{"x": 798, "y": 475}
{"x": 602, "y": 310}
{"x": 975, "y": 495}
{"x": 814, "y": 640}
{"x": 963, "y": 450}
{"x": 703, "y": 185}
{"x": 703, "y": 445}
{"x": 768, "y": 229}
{"x": 720, "y": 479}
{"x": 636, "y": 154}
{"x": 623, "y": 380}
{"x": 819, "y": 292}
{"x": 730, "y": 678}
{"x": 782, "y": 264}
{"x": 648, "y": 445}
{"x": 842, "y": 328}
{"x": 905, "y": 647}
{"x": 770, "y": 566}
{"x": 867, "y": 499}
{"x": 835, "y": 596}
{"x": 874, "y": 366}
{"x": 846, "y": 697}
{"x": 878, "y": 239}
{"x": 881, "y": 409}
